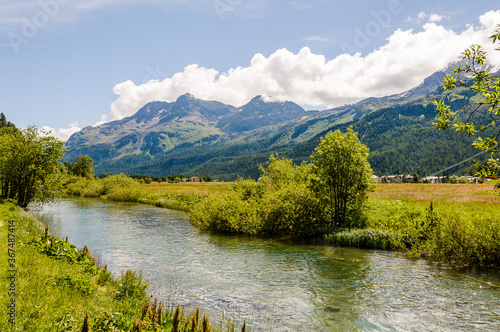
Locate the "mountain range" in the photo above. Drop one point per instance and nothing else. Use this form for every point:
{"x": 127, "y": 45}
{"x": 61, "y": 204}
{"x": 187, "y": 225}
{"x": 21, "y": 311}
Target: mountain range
{"x": 199, "y": 137}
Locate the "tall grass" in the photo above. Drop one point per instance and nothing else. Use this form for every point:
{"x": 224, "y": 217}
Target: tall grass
{"x": 187, "y": 187}
{"x": 456, "y": 223}
{"x": 173, "y": 201}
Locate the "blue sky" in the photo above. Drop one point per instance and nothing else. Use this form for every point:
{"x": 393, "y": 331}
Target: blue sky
{"x": 70, "y": 64}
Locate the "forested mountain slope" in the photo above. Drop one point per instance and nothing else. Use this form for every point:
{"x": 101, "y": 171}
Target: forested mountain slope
{"x": 193, "y": 136}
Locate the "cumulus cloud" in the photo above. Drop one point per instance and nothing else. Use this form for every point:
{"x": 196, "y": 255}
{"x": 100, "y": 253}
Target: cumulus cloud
{"x": 403, "y": 62}
{"x": 63, "y": 133}
{"x": 435, "y": 17}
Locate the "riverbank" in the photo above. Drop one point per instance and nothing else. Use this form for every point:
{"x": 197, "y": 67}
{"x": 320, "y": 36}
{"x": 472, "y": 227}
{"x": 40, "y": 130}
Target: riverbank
{"x": 49, "y": 285}
{"x": 274, "y": 284}
{"x": 454, "y": 223}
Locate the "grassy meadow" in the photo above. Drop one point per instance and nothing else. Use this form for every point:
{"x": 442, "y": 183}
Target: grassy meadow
{"x": 186, "y": 187}
{"x": 470, "y": 195}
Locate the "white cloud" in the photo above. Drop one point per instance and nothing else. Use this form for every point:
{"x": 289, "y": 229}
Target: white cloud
{"x": 306, "y": 78}
{"x": 435, "y": 17}
{"x": 63, "y": 133}
{"x": 317, "y": 38}
{"x": 422, "y": 16}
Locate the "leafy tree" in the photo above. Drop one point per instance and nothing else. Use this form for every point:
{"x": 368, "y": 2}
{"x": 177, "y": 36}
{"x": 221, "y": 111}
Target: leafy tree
{"x": 416, "y": 178}
{"x": 343, "y": 177}
{"x": 29, "y": 162}
{"x": 83, "y": 166}
{"x": 404, "y": 179}
{"x": 474, "y": 76}
{"x": 4, "y": 122}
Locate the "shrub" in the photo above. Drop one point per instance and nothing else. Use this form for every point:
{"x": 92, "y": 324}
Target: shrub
{"x": 79, "y": 283}
{"x": 227, "y": 213}
{"x": 131, "y": 286}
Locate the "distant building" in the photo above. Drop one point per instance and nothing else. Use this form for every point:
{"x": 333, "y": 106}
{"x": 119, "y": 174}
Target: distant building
{"x": 194, "y": 179}
{"x": 394, "y": 179}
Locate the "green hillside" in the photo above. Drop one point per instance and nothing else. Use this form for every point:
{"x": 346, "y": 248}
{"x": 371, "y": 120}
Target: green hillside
{"x": 206, "y": 138}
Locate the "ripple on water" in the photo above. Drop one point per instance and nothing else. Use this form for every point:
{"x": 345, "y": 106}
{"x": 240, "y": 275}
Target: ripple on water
{"x": 277, "y": 286}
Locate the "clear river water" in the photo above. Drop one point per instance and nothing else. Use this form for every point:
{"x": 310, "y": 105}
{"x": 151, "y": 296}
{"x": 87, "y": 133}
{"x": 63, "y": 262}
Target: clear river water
{"x": 278, "y": 286}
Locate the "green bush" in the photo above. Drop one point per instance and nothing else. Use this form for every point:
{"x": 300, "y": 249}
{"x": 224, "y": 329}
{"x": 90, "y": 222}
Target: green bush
{"x": 281, "y": 203}
{"x": 93, "y": 188}
{"x": 132, "y": 286}
{"x": 227, "y": 213}
{"x": 79, "y": 283}
{"x": 291, "y": 210}
{"x": 468, "y": 240}
{"x": 114, "y": 187}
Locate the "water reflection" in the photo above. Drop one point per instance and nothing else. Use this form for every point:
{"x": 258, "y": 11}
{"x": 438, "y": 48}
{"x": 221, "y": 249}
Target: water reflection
{"x": 273, "y": 285}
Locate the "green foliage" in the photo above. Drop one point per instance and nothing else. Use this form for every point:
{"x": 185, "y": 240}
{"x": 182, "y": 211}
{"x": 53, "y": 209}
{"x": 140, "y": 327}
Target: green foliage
{"x": 29, "y": 164}
{"x": 300, "y": 201}
{"x": 105, "y": 321}
{"x": 486, "y": 87}
{"x": 368, "y": 238}
{"x": 79, "y": 283}
{"x": 342, "y": 177}
{"x": 59, "y": 249}
{"x": 104, "y": 277}
{"x": 114, "y": 187}
{"x": 131, "y": 285}
{"x": 468, "y": 240}
{"x": 280, "y": 203}
{"x": 173, "y": 201}
{"x": 82, "y": 166}
{"x": 4, "y": 122}
{"x": 227, "y": 213}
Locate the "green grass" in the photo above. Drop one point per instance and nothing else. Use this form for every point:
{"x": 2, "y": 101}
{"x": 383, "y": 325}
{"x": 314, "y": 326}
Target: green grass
{"x": 57, "y": 286}
{"x": 462, "y": 226}
{"x": 186, "y": 188}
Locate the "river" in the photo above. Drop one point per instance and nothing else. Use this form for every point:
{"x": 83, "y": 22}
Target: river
{"x": 277, "y": 286}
